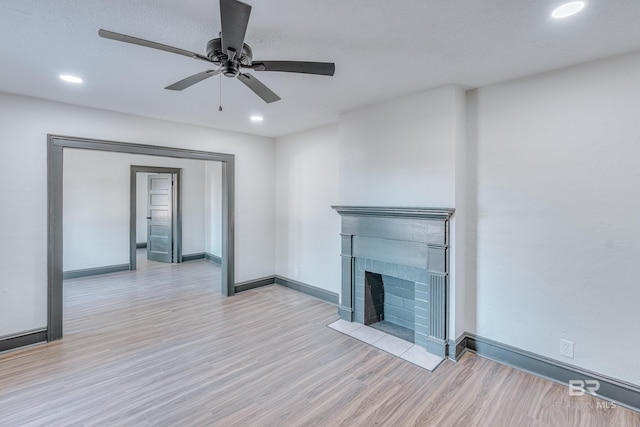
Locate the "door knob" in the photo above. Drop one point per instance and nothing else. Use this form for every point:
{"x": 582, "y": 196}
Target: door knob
{"x": 148, "y": 217}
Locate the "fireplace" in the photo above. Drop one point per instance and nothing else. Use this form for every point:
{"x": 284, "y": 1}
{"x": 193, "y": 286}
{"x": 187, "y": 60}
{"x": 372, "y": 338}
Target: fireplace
{"x": 395, "y": 272}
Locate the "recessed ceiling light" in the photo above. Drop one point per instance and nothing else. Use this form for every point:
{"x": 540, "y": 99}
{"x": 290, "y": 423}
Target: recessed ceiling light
{"x": 256, "y": 118}
{"x": 69, "y": 78}
{"x": 568, "y": 9}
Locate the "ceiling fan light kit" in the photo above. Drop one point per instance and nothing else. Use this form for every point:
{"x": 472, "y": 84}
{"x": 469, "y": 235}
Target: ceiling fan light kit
{"x": 231, "y": 54}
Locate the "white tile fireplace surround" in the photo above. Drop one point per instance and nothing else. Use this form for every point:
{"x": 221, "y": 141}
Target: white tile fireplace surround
{"x": 395, "y": 268}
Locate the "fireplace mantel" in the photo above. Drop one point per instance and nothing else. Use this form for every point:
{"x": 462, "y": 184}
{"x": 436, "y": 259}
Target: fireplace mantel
{"x": 392, "y": 211}
{"x": 409, "y": 243}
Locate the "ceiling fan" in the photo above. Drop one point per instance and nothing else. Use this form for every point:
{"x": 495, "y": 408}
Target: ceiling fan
{"x": 231, "y": 54}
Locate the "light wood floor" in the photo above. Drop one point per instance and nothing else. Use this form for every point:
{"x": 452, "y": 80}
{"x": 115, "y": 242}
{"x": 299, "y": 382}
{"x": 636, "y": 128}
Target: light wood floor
{"x": 161, "y": 347}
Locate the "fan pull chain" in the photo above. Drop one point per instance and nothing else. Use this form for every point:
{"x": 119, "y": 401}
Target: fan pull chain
{"x": 220, "y": 108}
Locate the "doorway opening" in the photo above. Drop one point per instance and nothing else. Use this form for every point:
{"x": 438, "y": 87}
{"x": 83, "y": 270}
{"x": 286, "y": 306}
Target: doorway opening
{"x": 55, "y": 147}
{"x": 158, "y": 228}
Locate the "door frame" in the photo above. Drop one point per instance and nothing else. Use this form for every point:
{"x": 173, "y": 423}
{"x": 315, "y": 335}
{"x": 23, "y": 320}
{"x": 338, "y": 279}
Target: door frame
{"x": 176, "y": 211}
{"x": 55, "y": 147}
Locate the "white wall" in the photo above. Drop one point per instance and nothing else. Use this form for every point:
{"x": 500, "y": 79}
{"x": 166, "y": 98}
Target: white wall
{"x": 23, "y": 192}
{"x": 462, "y": 243}
{"x": 96, "y": 206}
{"x": 404, "y": 152}
{"x": 559, "y": 214}
{"x": 401, "y": 152}
{"x": 141, "y": 207}
{"x": 307, "y": 229}
{"x": 213, "y": 208}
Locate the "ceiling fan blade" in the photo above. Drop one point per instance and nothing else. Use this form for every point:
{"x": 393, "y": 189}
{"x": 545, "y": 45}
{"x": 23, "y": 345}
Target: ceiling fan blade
{"x": 191, "y": 80}
{"x": 234, "y": 18}
{"x": 259, "y": 88}
{"x": 321, "y": 68}
{"x": 146, "y": 43}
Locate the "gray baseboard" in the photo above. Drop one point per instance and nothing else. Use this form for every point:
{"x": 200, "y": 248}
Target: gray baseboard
{"x": 619, "y": 392}
{"x": 330, "y": 297}
{"x": 193, "y": 257}
{"x": 203, "y": 255}
{"x": 257, "y": 283}
{"x": 74, "y": 274}
{"x": 22, "y": 339}
{"x": 141, "y": 245}
{"x": 310, "y": 290}
{"x": 213, "y": 258}
{"x": 458, "y": 347}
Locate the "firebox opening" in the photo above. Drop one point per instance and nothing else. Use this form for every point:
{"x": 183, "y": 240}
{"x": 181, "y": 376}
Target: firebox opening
{"x": 389, "y": 305}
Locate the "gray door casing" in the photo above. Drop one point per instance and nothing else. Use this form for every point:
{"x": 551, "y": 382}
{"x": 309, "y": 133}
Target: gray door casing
{"x": 55, "y": 146}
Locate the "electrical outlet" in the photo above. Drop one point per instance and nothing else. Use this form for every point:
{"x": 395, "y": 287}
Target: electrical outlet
{"x": 566, "y": 348}
{"x": 296, "y": 273}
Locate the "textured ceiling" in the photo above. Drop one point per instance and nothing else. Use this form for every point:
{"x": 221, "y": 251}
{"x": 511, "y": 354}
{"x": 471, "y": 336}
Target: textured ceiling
{"x": 382, "y": 49}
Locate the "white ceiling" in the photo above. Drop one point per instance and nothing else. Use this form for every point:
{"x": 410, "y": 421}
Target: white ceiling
{"x": 382, "y": 49}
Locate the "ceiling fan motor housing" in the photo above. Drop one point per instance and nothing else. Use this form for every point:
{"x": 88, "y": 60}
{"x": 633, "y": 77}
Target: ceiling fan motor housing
{"x": 215, "y": 53}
